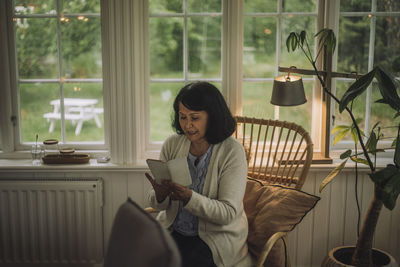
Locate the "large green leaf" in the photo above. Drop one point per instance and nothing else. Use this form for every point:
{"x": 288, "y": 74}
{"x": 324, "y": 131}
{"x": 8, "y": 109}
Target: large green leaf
{"x": 338, "y": 128}
{"x": 354, "y": 135}
{"x": 388, "y": 90}
{"x": 292, "y": 41}
{"x": 396, "y": 157}
{"x": 357, "y": 88}
{"x": 360, "y": 160}
{"x": 391, "y": 191}
{"x": 302, "y": 37}
{"x": 345, "y": 154}
{"x": 388, "y": 179}
{"x": 327, "y": 37}
{"x": 372, "y": 142}
{"x": 384, "y": 174}
{"x": 332, "y": 175}
{"x": 340, "y": 135}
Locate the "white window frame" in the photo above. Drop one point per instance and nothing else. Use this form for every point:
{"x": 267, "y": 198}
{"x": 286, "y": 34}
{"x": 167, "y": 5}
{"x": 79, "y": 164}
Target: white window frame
{"x": 373, "y": 14}
{"x": 10, "y": 120}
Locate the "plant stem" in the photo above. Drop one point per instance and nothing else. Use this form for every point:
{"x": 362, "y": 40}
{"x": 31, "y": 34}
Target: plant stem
{"x": 362, "y": 255}
{"x": 371, "y": 166}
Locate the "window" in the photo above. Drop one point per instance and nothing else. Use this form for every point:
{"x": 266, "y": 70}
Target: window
{"x": 266, "y": 27}
{"x": 185, "y": 46}
{"x": 58, "y": 69}
{"x": 150, "y": 49}
{"x": 368, "y": 36}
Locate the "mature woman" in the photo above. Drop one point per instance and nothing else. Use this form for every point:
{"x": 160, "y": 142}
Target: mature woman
{"x": 207, "y": 219}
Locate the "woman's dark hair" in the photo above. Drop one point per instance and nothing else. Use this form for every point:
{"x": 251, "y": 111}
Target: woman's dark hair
{"x": 205, "y": 96}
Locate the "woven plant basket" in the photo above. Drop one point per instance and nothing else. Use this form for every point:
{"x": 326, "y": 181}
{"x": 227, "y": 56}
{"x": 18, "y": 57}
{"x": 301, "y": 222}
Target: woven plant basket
{"x": 341, "y": 257}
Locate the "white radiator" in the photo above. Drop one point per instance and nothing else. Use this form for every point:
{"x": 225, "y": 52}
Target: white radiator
{"x": 51, "y": 222}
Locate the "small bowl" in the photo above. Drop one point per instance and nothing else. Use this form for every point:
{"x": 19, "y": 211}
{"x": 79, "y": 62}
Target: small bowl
{"x": 67, "y": 150}
{"x": 50, "y": 142}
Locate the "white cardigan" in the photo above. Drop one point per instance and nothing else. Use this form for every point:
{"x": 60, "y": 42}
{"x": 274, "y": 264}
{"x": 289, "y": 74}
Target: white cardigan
{"x": 222, "y": 220}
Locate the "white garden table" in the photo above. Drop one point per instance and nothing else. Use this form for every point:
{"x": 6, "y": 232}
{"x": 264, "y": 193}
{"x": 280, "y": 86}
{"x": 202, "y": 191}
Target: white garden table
{"x": 77, "y": 110}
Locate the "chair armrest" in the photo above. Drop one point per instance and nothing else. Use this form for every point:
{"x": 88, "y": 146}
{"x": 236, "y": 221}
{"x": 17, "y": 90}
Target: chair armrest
{"x": 268, "y": 246}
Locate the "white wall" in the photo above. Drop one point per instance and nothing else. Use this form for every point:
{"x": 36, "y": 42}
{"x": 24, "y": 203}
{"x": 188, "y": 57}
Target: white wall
{"x": 331, "y": 223}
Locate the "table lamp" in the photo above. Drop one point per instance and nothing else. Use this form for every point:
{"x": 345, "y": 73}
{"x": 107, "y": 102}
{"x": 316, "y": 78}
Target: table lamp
{"x": 288, "y": 91}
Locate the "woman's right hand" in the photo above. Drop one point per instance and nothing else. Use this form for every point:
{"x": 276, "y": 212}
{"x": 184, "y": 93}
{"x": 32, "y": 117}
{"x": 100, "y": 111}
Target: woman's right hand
{"x": 162, "y": 190}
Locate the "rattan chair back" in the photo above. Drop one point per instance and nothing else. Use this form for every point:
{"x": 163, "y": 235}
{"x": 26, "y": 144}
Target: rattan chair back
{"x": 277, "y": 152}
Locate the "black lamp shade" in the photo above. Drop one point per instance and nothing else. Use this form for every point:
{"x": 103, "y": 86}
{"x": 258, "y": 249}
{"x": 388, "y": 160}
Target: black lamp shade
{"x": 288, "y": 91}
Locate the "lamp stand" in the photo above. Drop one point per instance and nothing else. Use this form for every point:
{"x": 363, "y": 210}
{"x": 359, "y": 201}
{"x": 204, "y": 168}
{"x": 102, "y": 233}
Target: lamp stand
{"x": 327, "y": 75}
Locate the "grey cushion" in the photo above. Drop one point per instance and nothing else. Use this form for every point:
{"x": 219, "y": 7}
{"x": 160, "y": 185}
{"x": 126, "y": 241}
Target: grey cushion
{"x": 138, "y": 240}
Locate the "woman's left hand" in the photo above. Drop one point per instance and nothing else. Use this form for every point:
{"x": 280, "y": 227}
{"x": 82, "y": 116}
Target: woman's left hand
{"x": 179, "y": 192}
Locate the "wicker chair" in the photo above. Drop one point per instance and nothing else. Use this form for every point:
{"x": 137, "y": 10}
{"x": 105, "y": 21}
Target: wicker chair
{"x": 277, "y": 152}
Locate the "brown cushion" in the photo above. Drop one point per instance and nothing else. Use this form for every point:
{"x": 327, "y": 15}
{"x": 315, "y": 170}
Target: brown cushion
{"x": 271, "y": 209}
{"x": 137, "y": 239}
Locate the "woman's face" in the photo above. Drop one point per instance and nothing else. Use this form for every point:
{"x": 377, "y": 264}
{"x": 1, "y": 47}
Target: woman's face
{"x": 193, "y": 123}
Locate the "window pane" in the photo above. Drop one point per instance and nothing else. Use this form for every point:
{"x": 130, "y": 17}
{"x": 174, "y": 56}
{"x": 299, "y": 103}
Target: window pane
{"x": 302, "y": 114}
{"x": 204, "y": 34}
{"x": 36, "y": 45}
{"x": 297, "y": 23}
{"x": 81, "y": 47}
{"x": 355, "y": 5}
{"x": 85, "y": 102}
{"x": 34, "y": 104}
{"x": 384, "y": 114}
{"x": 22, "y": 7}
{"x": 259, "y": 49}
{"x": 204, "y": 6}
{"x": 166, "y": 47}
{"x": 256, "y": 6}
{"x": 299, "y": 5}
{"x": 353, "y": 44}
{"x": 388, "y": 5}
{"x": 162, "y": 96}
{"x": 162, "y": 6}
{"x": 358, "y": 108}
{"x": 387, "y": 44}
{"x": 79, "y": 6}
{"x": 256, "y": 100}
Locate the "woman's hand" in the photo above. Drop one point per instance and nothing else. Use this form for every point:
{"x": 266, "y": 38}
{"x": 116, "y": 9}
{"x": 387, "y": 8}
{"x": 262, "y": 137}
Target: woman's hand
{"x": 162, "y": 190}
{"x": 179, "y": 192}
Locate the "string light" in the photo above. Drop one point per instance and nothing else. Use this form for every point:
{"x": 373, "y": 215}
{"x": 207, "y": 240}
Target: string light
{"x": 82, "y": 18}
{"x": 64, "y": 19}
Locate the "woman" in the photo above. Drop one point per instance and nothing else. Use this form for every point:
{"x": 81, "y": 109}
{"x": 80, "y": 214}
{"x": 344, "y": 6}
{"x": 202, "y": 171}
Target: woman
{"x": 207, "y": 219}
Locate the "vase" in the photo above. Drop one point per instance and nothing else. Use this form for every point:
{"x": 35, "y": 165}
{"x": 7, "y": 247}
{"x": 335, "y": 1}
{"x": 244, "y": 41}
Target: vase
{"x": 341, "y": 256}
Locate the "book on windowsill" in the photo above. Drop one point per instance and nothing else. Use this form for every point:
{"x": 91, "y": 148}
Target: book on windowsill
{"x": 176, "y": 170}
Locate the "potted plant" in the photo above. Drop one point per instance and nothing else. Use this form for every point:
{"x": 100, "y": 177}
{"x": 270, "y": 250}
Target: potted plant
{"x": 386, "y": 180}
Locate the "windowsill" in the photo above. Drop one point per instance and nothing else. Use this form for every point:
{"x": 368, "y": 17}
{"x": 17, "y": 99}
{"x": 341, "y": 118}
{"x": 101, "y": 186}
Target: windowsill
{"x": 93, "y": 165}
{"x": 26, "y": 155}
{"x": 26, "y": 165}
